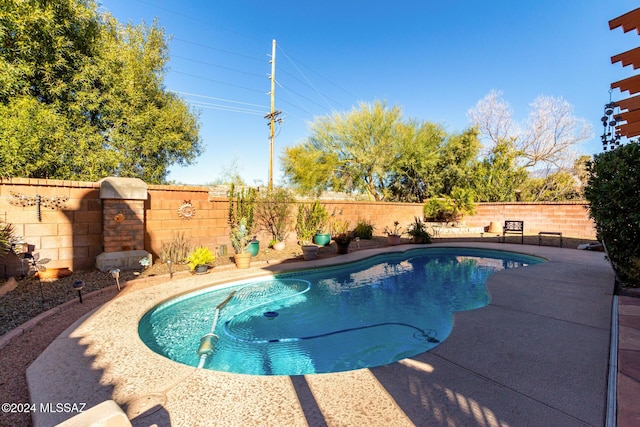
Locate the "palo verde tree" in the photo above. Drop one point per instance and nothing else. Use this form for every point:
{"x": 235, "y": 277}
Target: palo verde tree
{"x": 372, "y": 150}
{"x": 352, "y": 151}
{"x": 82, "y": 96}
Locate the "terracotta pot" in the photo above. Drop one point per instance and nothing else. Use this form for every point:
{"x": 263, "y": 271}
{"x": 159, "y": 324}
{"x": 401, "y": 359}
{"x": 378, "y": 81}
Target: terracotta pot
{"x": 394, "y": 239}
{"x": 243, "y": 260}
{"x": 54, "y": 273}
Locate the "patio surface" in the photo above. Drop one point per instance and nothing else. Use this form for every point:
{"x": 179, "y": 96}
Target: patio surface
{"x": 538, "y": 354}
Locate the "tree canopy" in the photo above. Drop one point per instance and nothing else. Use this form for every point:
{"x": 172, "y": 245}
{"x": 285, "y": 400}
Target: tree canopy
{"x": 373, "y": 150}
{"x": 82, "y": 96}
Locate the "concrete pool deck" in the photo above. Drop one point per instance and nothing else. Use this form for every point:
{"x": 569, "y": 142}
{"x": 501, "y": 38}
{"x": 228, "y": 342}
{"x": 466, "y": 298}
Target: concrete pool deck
{"x": 538, "y": 354}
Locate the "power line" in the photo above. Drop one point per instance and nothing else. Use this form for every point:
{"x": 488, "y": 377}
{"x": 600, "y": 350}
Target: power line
{"x": 217, "y": 99}
{"x": 308, "y": 81}
{"x": 318, "y": 74}
{"x": 216, "y": 81}
{"x": 253, "y": 58}
{"x": 225, "y": 108}
{"x": 217, "y": 66}
{"x": 202, "y": 21}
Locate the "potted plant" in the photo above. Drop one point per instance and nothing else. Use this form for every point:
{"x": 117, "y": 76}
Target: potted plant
{"x": 418, "y": 231}
{"x": 364, "y": 229}
{"x": 199, "y": 259}
{"x": 241, "y": 214}
{"x": 240, "y": 239}
{"x": 394, "y": 234}
{"x": 341, "y": 235}
{"x": 308, "y": 220}
{"x": 321, "y": 217}
{"x": 273, "y": 214}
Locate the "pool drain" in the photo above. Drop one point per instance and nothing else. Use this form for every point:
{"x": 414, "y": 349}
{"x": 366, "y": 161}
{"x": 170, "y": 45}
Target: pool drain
{"x": 270, "y": 314}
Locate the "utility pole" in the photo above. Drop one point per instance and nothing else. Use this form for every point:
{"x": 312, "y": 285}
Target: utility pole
{"x": 274, "y": 113}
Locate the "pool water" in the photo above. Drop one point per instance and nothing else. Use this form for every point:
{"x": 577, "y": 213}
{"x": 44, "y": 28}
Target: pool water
{"x": 364, "y": 314}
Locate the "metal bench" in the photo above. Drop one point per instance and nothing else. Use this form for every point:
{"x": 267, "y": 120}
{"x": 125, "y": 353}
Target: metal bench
{"x": 549, "y": 233}
{"x": 513, "y": 227}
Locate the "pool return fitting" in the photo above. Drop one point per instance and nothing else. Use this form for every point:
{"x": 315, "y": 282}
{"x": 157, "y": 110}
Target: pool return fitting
{"x": 209, "y": 341}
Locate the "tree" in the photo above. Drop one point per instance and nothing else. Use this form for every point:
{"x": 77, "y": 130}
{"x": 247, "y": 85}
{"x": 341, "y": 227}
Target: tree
{"x": 614, "y": 205}
{"x": 546, "y": 140}
{"x": 492, "y": 117}
{"x": 457, "y": 157}
{"x": 414, "y": 176}
{"x": 497, "y": 176}
{"x": 352, "y": 151}
{"x": 374, "y": 151}
{"x": 552, "y": 133}
{"x": 82, "y": 97}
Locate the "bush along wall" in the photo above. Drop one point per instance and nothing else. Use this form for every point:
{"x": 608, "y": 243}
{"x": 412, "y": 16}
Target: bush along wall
{"x": 613, "y": 192}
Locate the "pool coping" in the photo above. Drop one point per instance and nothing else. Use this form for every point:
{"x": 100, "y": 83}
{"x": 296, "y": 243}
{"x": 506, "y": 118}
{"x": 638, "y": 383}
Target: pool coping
{"x": 100, "y": 357}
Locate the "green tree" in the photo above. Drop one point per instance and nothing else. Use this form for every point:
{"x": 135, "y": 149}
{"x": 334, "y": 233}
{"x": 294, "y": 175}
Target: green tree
{"x": 414, "y": 175}
{"x": 373, "y": 151}
{"x": 497, "y": 176}
{"x": 82, "y": 96}
{"x": 457, "y": 160}
{"x": 352, "y": 151}
{"x": 614, "y": 205}
{"x": 553, "y": 187}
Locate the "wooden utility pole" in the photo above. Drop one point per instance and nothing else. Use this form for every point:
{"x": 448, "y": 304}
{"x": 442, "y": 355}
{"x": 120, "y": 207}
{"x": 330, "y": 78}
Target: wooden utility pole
{"x": 274, "y": 114}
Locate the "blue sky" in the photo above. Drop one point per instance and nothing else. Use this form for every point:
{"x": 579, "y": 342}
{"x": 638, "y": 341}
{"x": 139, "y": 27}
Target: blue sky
{"x": 434, "y": 59}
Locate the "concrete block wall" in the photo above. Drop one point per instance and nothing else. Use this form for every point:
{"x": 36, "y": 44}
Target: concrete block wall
{"x": 70, "y": 237}
{"x": 73, "y": 236}
{"x": 570, "y": 218}
{"x": 208, "y": 227}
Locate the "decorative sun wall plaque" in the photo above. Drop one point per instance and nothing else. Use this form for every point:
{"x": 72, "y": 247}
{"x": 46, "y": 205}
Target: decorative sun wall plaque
{"x": 186, "y": 210}
{"x": 119, "y": 217}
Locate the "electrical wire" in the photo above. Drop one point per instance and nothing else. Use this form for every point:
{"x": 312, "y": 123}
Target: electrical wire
{"x": 217, "y": 66}
{"x": 216, "y": 81}
{"x": 218, "y": 99}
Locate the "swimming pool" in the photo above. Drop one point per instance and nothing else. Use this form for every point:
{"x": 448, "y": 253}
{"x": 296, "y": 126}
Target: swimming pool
{"x": 357, "y": 315}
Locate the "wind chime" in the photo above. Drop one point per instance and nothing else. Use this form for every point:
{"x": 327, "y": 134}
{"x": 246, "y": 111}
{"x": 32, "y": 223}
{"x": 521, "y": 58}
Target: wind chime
{"x": 611, "y": 136}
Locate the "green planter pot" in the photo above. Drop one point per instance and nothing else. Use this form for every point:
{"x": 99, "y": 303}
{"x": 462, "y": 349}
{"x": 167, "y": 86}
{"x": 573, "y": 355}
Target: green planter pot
{"x": 322, "y": 239}
{"x": 254, "y": 247}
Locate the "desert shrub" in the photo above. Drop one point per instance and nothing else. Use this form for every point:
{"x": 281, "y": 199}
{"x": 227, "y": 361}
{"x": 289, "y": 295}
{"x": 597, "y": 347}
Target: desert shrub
{"x": 177, "y": 249}
{"x": 274, "y": 211}
{"x": 6, "y": 234}
{"x": 439, "y": 209}
{"x": 364, "y": 229}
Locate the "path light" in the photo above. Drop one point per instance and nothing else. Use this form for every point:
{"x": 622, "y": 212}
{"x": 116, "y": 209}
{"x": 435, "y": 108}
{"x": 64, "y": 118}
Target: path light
{"x": 78, "y": 285}
{"x": 115, "y": 273}
{"x": 170, "y": 267}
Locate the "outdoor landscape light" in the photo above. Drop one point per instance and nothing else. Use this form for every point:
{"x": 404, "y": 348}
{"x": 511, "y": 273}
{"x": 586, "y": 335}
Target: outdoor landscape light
{"x": 170, "y": 267}
{"x": 78, "y": 285}
{"x": 115, "y": 273}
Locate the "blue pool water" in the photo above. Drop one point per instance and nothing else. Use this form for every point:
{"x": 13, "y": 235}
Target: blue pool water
{"x": 358, "y": 315}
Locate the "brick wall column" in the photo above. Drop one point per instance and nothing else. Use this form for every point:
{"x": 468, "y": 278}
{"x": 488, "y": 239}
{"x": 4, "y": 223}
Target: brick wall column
{"x": 123, "y": 214}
